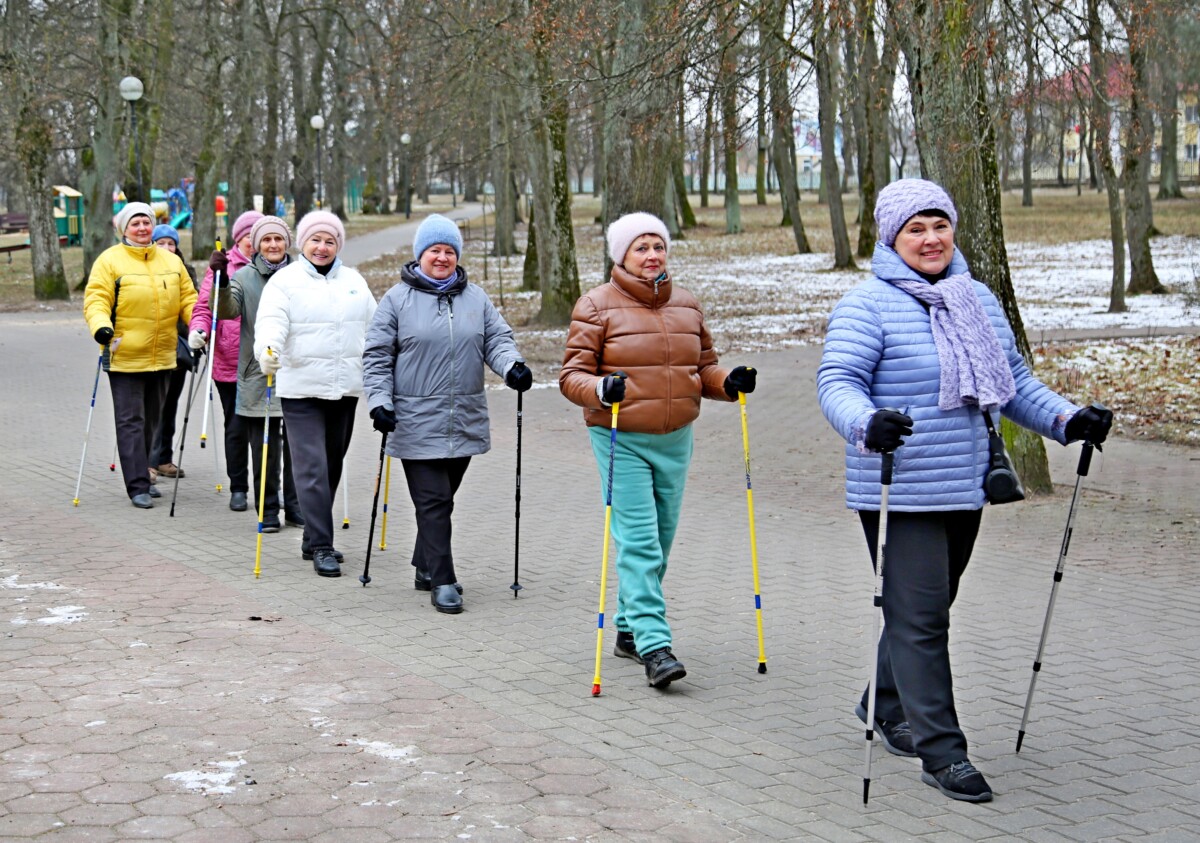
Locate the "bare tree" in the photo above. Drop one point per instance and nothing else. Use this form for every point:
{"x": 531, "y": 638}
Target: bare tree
{"x": 826, "y": 107}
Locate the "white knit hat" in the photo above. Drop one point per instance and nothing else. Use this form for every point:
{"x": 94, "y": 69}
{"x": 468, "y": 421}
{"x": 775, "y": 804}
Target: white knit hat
{"x": 131, "y": 210}
{"x": 623, "y": 231}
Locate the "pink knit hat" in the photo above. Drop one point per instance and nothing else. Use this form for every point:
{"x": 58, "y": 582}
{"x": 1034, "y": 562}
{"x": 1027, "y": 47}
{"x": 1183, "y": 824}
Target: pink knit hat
{"x": 270, "y": 225}
{"x": 320, "y": 221}
{"x": 623, "y": 231}
{"x": 243, "y": 224}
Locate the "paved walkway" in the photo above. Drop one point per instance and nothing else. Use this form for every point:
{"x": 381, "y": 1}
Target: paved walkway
{"x": 384, "y": 241}
{"x": 152, "y": 688}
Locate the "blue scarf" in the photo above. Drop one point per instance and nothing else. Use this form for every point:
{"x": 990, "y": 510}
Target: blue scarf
{"x": 440, "y": 286}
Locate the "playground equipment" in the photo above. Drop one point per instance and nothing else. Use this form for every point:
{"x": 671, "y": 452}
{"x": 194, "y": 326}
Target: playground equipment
{"x": 68, "y": 214}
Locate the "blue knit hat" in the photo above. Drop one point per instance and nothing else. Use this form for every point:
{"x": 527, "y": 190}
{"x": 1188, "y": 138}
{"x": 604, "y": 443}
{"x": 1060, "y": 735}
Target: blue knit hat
{"x": 902, "y": 200}
{"x": 434, "y": 230}
{"x": 163, "y": 230}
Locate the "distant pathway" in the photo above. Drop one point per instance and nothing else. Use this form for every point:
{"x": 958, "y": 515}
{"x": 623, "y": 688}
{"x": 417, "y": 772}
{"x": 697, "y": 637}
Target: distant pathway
{"x": 385, "y": 241}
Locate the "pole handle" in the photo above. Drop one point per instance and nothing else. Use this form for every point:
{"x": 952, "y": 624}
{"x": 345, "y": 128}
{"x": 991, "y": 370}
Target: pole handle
{"x": 1085, "y": 459}
{"x": 885, "y": 469}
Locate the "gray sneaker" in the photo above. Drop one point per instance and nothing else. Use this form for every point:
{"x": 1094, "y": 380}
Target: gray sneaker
{"x": 896, "y": 734}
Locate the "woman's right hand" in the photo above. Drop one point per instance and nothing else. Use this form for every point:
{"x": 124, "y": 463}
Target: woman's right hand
{"x": 885, "y": 429}
{"x": 383, "y": 420}
{"x": 197, "y": 339}
{"x": 612, "y": 388}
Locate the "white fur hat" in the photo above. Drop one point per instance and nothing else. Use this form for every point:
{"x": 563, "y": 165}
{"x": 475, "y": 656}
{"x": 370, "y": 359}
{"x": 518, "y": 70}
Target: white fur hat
{"x": 127, "y": 213}
{"x": 624, "y": 230}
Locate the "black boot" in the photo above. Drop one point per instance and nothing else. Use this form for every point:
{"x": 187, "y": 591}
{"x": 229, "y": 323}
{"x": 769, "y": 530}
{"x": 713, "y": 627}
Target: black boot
{"x": 445, "y": 599}
{"x": 325, "y": 563}
{"x": 662, "y": 668}
{"x": 625, "y": 647}
{"x": 237, "y": 501}
{"x": 306, "y": 552}
{"x": 423, "y": 581}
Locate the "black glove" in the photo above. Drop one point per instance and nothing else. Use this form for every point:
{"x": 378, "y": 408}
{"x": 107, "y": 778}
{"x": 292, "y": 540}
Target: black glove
{"x": 885, "y": 429}
{"x": 218, "y": 261}
{"x": 613, "y": 390}
{"x": 103, "y": 335}
{"x": 1091, "y": 424}
{"x": 519, "y": 377}
{"x": 741, "y": 379}
{"x": 383, "y": 419}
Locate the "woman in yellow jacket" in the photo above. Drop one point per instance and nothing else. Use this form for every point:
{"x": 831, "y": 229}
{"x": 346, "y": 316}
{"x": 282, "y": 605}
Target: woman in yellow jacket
{"x": 135, "y": 295}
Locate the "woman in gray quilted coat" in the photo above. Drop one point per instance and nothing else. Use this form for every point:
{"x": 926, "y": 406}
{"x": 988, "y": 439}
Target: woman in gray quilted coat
{"x": 423, "y": 377}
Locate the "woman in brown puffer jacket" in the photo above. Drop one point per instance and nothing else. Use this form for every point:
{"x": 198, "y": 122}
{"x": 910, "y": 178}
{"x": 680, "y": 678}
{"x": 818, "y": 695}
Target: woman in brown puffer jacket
{"x": 640, "y": 341}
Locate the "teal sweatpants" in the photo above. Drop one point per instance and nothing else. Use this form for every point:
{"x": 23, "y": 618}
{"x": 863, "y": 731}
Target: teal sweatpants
{"x": 649, "y": 473}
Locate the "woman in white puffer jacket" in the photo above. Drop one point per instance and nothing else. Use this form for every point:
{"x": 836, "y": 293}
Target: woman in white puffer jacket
{"x": 311, "y": 327}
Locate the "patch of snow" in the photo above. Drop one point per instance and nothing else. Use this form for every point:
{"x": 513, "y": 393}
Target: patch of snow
{"x": 58, "y": 614}
{"x": 11, "y": 582}
{"x": 386, "y": 750}
{"x": 209, "y": 782}
{"x": 94, "y": 723}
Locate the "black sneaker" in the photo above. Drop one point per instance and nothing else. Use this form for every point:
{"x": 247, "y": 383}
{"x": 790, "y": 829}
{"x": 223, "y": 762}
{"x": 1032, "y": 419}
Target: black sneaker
{"x": 306, "y": 552}
{"x": 625, "y": 647}
{"x": 325, "y": 563}
{"x": 896, "y": 734}
{"x": 237, "y": 501}
{"x": 662, "y": 668}
{"x": 960, "y": 781}
{"x": 270, "y": 523}
{"x": 293, "y": 519}
{"x": 423, "y": 581}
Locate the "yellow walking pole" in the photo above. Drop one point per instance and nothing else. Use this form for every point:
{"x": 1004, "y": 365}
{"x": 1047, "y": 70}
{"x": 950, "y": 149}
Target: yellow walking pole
{"x": 387, "y": 488}
{"x": 762, "y": 652}
{"x": 262, "y": 485}
{"x": 612, "y": 452}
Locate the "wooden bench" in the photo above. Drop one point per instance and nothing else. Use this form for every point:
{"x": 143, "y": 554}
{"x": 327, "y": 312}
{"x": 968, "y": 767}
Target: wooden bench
{"x": 465, "y": 227}
{"x": 10, "y": 223}
{"x": 18, "y": 247}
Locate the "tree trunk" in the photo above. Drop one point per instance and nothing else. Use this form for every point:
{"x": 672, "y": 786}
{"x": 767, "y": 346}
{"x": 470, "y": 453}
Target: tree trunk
{"x": 268, "y": 154}
{"x": 1139, "y": 219}
{"x": 727, "y": 81}
{"x": 34, "y": 147}
{"x": 827, "y": 115}
{"x": 687, "y": 216}
{"x": 1101, "y": 137}
{"x": 706, "y": 148}
{"x": 502, "y": 179}
{"x": 1168, "y": 173}
{"x": 760, "y": 163}
{"x": 943, "y": 43}
{"x": 208, "y": 162}
{"x": 778, "y": 59}
{"x": 530, "y": 280}
{"x": 1027, "y": 104}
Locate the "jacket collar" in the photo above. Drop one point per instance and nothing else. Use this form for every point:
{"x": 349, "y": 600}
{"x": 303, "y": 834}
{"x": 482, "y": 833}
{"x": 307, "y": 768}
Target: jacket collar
{"x": 312, "y": 270}
{"x": 263, "y": 269}
{"x": 649, "y": 293}
{"x": 412, "y": 278}
{"x": 887, "y": 265}
{"x": 142, "y": 253}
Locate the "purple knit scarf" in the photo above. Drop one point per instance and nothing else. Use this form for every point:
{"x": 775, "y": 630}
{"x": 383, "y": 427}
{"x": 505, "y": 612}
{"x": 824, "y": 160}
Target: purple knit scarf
{"x": 974, "y": 369}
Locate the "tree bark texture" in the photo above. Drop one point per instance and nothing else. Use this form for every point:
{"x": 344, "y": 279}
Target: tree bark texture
{"x": 827, "y": 116}
{"x": 778, "y": 60}
{"x": 727, "y": 81}
{"x": 1102, "y": 138}
{"x": 1139, "y": 218}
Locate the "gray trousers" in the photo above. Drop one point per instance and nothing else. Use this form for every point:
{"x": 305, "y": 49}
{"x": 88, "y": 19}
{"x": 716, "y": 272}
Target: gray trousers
{"x": 319, "y": 434}
{"x": 137, "y": 406}
{"x": 927, "y": 553}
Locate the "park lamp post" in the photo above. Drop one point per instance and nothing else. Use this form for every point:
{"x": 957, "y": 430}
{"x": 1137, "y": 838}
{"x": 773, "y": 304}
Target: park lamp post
{"x": 131, "y": 91}
{"x": 318, "y": 123}
{"x": 405, "y": 140}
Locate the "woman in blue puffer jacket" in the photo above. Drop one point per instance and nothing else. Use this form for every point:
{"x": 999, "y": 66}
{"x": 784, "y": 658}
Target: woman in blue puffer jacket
{"x": 922, "y": 350}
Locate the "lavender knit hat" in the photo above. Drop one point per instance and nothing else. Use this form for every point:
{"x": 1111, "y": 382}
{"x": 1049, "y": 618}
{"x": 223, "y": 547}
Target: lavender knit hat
{"x": 624, "y": 230}
{"x": 269, "y": 225}
{"x": 901, "y": 200}
{"x": 243, "y": 224}
{"x": 320, "y": 221}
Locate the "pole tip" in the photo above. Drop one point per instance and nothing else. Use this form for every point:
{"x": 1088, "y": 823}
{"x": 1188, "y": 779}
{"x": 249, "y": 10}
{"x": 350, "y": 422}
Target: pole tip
{"x": 112, "y": 466}
{"x": 346, "y": 524}
{"x": 75, "y": 502}
{"x": 866, "y": 790}
{"x": 364, "y": 579}
{"x": 596, "y": 690}
{"x": 1020, "y": 739}
{"x": 516, "y": 587}
{"x": 762, "y": 667}
{"x": 219, "y": 487}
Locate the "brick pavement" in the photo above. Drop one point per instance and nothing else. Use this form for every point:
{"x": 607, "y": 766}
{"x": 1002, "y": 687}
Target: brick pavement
{"x": 142, "y": 701}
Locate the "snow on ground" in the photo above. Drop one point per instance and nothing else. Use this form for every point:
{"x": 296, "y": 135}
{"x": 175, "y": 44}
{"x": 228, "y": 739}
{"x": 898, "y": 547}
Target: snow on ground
{"x": 778, "y": 300}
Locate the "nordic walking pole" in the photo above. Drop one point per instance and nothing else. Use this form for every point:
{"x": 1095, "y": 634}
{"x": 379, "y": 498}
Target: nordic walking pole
{"x": 612, "y": 453}
{"x": 187, "y": 413}
{"x": 762, "y": 652}
{"x": 345, "y": 495}
{"x": 516, "y": 586}
{"x": 212, "y": 414}
{"x": 885, "y": 484}
{"x": 213, "y": 292}
{"x": 262, "y": 485}
{"x": 87, "y": 431}
{"x": 112, "y": 466}
{"x": 1085, "y": 461}
{"x": 387, "y": 490}
{"x": 366, "y": 577}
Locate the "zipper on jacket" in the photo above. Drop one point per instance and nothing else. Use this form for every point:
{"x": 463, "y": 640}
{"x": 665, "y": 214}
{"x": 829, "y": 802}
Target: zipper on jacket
{"x": 453, "y": 378}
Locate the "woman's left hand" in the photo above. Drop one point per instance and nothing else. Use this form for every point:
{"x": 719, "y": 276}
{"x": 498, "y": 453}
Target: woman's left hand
{"x": 519, "y": 377}
{"x": 1091, "y": 424}
{"x": 740, "y": 379}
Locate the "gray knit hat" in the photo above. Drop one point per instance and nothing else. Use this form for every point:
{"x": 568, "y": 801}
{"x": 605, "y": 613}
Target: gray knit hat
{"x": 902, "y": 200}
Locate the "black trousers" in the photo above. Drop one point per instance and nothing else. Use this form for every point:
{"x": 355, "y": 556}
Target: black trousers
{"x": 254, "y": 429}
{"x": 319, "y": 434}
{"x": 237, "y": 441}
{"x": 164, "y": 433}
{"x": 137, "y": 405}
{"x": 927, "y": 553}
{"x": 432, "y": 484}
